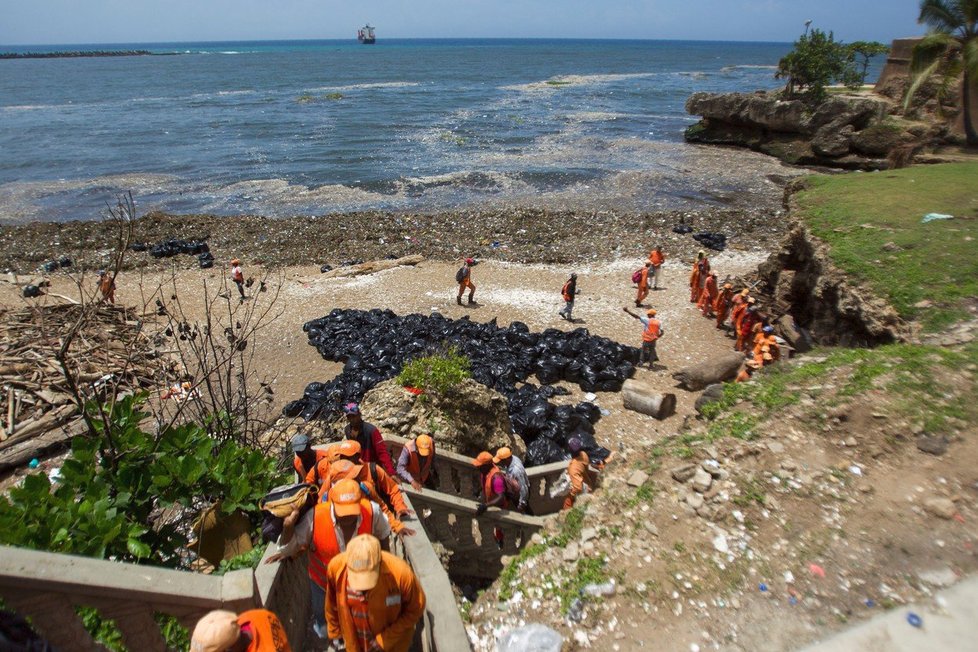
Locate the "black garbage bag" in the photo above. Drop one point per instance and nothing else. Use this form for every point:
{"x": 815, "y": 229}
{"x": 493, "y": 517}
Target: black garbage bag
{"x": 32, "y": 291}
{"x": 544, "y": 451}
{"x": 715, "y": 241}
{"x": 139, "y": 246}
{"x": 588, "y": 410}
{"x": 294, "y": 408}
{"x": 64, "y": 261}
{"x": 325, "y": 268}
{"x": 682, "y": 228}
{"x": 50, "y": 266}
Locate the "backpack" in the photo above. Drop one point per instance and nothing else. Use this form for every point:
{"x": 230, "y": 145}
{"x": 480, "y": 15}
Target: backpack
{"x": 460, "y": 274}
{"x": 637, "y": 275}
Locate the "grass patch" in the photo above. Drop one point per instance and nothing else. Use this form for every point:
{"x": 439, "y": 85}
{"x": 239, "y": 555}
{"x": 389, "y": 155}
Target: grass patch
{"x": 589, "y": 570}
{"x": 507, "y": 578}
{"x": 436, "y": 373}
{"x": 856, "y": 214}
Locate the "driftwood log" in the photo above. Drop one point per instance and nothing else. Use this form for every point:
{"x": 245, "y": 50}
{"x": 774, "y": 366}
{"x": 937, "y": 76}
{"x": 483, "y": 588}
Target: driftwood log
{"x": 373, "y": 266}
{"x": 716, "y": 370}
{"x": 643, "y": 398}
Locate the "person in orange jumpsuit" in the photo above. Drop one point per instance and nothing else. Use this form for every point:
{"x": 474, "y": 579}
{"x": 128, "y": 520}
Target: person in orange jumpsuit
{"x": 747, "y": 371}
{"x": 739, "y": 314}
{"x": 709, "y": 295}
{"x": 305, "y": 456}
{"x": 582, "y": 478}
{"x": 106, "y": 285}
{"x": 643, "y": 284}
{"x": 466, "y": 282}
{"x": 373, "y": 599}
{"x": 747, "y": 322}
{"x": 722, "y": 304}
{"x": 694, "y": 278}
{"x": 737, "y": 306}
{"x": 656, "y": 257}
{"x": 255, "y": 630}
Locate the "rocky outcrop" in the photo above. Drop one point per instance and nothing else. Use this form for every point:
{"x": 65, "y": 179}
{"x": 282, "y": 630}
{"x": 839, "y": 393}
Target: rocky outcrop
{"x": 844, "y": 131}
{"x": 823, "y": 300}
{"x": 468, "y": 419}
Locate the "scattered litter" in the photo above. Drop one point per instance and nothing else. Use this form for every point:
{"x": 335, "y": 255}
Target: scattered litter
{"x": 792, "y": 600}
{"x": 789, "y": 577}
{"x": 34, "y": 463}
{"x": 870, "y": 603}
{"x": 855, "y": 470}
{"x": 590, "y": 396}
{"x": 603, "y": 589}
{"x": 930, "y": 217}
{"x": 762, "y": 587}
{"x": 576, "y": 611}
{"x": 531, "y": 637}
{"x": 915, "y": 620}
{"x": 816, "y": 570}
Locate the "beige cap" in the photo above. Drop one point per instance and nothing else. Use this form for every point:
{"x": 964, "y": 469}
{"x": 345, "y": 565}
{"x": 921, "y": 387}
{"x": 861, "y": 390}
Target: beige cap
{"x": 363, "y": 562}
{"x": 215, "y": 632}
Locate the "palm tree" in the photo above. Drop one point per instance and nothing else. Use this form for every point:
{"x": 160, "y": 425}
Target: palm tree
{"x": 949, "y": 49}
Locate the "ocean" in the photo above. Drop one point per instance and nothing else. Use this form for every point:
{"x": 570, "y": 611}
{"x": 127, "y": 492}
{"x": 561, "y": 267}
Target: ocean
{"x": 314, "y": 127}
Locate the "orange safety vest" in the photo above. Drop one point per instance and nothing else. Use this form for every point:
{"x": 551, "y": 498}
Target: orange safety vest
{"x": 302, "y": 471}
{"x": 324, "y": 544}
{"x": 267, "y": 633}
{"x": 651, "y": 332}
{"x": 656, "y": 258}
{"x": 418, "y": 472}
{"x": 565, "y": 292}
{"x": 487, "y": 492}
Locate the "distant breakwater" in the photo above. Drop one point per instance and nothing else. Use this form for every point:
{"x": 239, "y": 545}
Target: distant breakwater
{"x": 76, "y": 53}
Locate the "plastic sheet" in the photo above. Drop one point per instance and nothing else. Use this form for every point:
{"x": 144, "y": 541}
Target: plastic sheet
{"x": 530, "y": 638}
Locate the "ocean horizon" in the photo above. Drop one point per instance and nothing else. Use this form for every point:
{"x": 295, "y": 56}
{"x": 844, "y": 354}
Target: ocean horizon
{"x": 312, "y": 127}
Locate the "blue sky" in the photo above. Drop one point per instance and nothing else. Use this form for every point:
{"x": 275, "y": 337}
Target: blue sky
{"x": 32, "y": 22}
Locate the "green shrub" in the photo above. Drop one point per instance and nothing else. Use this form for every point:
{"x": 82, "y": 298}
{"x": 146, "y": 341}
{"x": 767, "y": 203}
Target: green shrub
{"x": 436, "y": 373}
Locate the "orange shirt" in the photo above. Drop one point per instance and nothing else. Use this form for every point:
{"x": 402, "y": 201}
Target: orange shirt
{"x": 656, "y": 258}
{"x": 394, "y": 606}
{"x": 266, "y": 631}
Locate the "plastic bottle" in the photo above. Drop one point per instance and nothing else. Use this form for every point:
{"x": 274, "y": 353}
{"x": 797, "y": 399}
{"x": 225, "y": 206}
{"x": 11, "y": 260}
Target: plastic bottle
{"x": 603, "y": 589}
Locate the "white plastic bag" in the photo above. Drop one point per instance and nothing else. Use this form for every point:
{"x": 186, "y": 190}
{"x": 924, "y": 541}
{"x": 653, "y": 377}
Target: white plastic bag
{"x": 561, "y": 486}
{"x": 530, "y": 638}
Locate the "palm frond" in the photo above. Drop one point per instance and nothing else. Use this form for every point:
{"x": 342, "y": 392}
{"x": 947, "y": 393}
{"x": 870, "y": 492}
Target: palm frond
{"x": 918, "y": 80}
{"x": 943, "y": 15}
{"x": 933, "y": 46}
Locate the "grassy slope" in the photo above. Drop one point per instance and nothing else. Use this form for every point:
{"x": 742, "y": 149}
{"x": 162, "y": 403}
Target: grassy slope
{"x": 857, "y": 214}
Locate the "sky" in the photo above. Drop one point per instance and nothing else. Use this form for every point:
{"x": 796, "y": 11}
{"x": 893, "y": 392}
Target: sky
{"x": 40, "y": 22}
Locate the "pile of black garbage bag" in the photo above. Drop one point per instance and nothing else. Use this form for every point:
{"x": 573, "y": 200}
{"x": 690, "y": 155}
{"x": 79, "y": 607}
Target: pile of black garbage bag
{"x": 715, "y": 241}
{"x": 375, "y": 344}
{"x": 54, "y": 265}
{"x": 174, "y": 247}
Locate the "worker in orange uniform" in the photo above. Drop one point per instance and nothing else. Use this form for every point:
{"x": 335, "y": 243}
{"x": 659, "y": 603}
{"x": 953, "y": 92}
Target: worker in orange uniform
{"x": 747, "y": 371}
{"x": 582, "y": 478}
{"x": 373, "y": 599}
{"x": 305, "y": 456}
{"x": 703, "y": 263}
{"x": 106, "y": 285}
{"x": 737, "y": 307}
{"x": 416, "y": 463}
{"x": 325, "y": 531}
{"x": 694, "y": 278}
{"x": 656, "y": 257}
{"x": 650, "y": 336}
{"x": 721, "y": 306}
{"x": 709, "y": 295}
{"x": 493, "y": 489}
{"x": 238, "y": 276}
{"x": 568, "y": 293}
{"x": 255, "y": 630}
{"x": 643, "y": 284}
{"x": 464, "y": 279}
{"x": 746, "y": 329}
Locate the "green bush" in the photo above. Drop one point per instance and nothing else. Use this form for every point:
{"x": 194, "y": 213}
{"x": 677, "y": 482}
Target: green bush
{"x": 436, "y": 373}
{"x": 113, "y": 487}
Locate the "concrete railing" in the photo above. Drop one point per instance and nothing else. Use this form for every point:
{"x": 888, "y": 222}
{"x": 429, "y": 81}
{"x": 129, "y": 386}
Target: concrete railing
{"x": 46, "y": 587}
{"x": 457, "y": 477}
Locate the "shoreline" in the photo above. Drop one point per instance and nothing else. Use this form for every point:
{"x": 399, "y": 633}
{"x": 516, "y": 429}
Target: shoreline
{"x": 520, "y": 235}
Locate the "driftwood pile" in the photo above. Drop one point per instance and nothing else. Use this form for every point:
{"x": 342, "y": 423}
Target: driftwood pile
{"x": 37, "y": 409}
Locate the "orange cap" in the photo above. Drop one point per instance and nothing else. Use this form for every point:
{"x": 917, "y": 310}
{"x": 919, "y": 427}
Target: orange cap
{"x": 235, "y": 261}
{"x": 341, "y": 469}
{"x": 345, "y": 497}
{"x": 502, "y": 454}
{"x": 363, "y": 562}
{"x": 483, "y": 458}
{"x": 349, "y": 448}
{"x": 650, "y": 312}
{"x": 215, "y": 632}
{"x": 424, "y": 444}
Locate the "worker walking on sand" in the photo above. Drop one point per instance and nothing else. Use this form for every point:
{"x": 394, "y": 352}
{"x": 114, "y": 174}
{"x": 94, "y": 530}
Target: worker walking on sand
{"x": 568, "y": 292}
{"x": 694, "y": 278}
{"x": 653, "y": 331}
{"x": 721, "y": 306}
{"x": 325, "y": 532}
{"x": 643, "y": 284}
{"x": 106, "y": 285}
{"x": 238, "y": 276}
{"x": 656, "y": 257}
{"x": 709, "y": 295}
{"x": 255, "y": 630}
{"x": 464, "y": 279}
{"x": 373, "y": 599}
